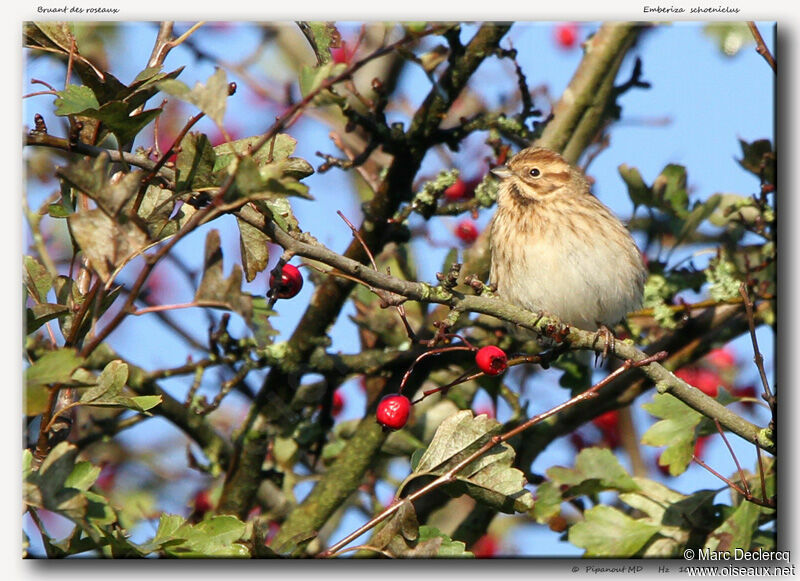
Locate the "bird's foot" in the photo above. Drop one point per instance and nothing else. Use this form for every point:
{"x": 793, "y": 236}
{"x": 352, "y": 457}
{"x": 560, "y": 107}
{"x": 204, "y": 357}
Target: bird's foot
{"x": 610, "y": 342}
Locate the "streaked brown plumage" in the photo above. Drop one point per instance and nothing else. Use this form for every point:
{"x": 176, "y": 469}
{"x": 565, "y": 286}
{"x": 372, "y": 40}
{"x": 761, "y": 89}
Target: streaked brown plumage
{"x": 556, "y": 248}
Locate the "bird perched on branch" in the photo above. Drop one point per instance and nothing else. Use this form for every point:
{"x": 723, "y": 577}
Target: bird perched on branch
{"x": 556, "y": 248}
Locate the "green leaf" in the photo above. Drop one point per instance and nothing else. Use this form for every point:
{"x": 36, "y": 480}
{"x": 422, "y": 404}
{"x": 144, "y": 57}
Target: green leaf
{"x": 456, "y": 437}
{"x": 211, "y": 97}
{"x": 156, "y": 209}
{"x": 737, "y": 530}
{"x": 322, "y": 36}
{"x": 91, "y": 176}
{"x": 275, "y": 173}
{"x": 36, "y": 400}
{"x": 696, "y": 511}
{"x": 82, "y": 476}
{"x": 58, "y": 210}
{"x": 577, "y": 376}
{"x": 654, "y": 501}
{"x": 639, "y": 193}
{"x": 57, "y": 486}
{"x": 446, "y": 547}
{"x": 280, "y": 148}
{"x": 214, "y": 537}
{"x": 247, "y": 180}
{"x": 53, "y": 367}
{"x": 490, "y": 479}
{"x": 608, "y": 532}
{"x": 675, "y": 430}
{"x": 217, "y": 291}
{"x": 263, "y": 331}
{"x": 75, "y": 99}
{"x": 121, "y": 119}
{"x": 58, "y": 38}
{"x": 699, "y": 213}
{"x": 311, "y": 78}
{"x": 68, "y": 294}
{"x": 758, "y": 157}
{"x": 548, "y": 501}
{"x": 596, "y": 470}
{"x": 194, "y": 164}
{"x": 108, "y": 392}
{"x": 670, "y": 188}
{"x": 281, "y": 211}
{"x": 254, "y": 248}
{"x": 36, "y": 278}
{"x": 106, "y": 242}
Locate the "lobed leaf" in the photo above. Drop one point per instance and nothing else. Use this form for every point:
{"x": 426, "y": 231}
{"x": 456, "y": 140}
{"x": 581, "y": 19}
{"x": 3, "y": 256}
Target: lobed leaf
{"x": 194, "y": 164}
{"x": 211, "y": 98}
{"x": 36, "y": 278}
{"x": 254, "y": 249}
{"x": 675, "y": 430}
{"x": 490, "y": 478}
{"x": 106, "y": 242}
{"x": 608, "y": 532}
{"x": 596, "y": 470}
{"x": 91, "y": 177}
{"x": 53, "y": 367}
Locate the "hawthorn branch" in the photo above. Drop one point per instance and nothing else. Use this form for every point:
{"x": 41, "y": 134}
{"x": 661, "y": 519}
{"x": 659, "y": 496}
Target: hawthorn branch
{"x": 666, "y": 382}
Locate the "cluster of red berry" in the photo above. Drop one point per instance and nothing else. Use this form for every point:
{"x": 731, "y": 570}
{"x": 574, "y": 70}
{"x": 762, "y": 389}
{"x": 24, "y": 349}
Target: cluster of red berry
{"x": 394, "y": 409}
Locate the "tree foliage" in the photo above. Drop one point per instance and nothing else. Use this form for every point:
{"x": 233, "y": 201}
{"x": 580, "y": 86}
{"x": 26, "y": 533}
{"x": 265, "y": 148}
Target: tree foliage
{"x": 138, "y": 171}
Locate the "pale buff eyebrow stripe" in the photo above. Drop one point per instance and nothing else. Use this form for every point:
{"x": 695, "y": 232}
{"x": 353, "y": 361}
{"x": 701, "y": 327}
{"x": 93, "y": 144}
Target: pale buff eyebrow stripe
{"x": 560, "y": 175}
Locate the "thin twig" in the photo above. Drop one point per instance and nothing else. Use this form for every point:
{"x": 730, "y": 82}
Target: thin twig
{"x": 735, "y": 459}
{"x": 761, "y": 474}
{"x": 427, "y": 354}
{"x": 761, "y": 47}
{"x": 358, "y": 237}
{"x": 765, "y": 503}
{"x": 382, "y": 294}
{"x": 757, "y": 358}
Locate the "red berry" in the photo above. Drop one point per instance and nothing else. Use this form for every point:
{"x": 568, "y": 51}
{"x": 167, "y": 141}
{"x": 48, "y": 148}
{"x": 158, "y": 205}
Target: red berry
{"x": 456, "y": 192}
{"x": 703, "y": 379}
{"x": 343, "y": 53}
{"x": 485, "y": 547}
{"x": 202, "y": 502}
{"x": 577, "y": 441}
{"x": 467, "y": 231}
{"x": 723, "y": 358}
{"x": 393, "y": 411}
{"x": 289, "y": 285}
{"x": 748, "y": 391}
{"x": 566, "y": 35}
{"x": 608, "y": 423}
{"x": 700, "y": 446}
{"x": 491, "y": 360}
{"x": 338, "y": 403}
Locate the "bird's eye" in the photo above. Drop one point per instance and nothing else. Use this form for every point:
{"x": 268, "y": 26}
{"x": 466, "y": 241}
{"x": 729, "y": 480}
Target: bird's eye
{"x": 535, "y": 173}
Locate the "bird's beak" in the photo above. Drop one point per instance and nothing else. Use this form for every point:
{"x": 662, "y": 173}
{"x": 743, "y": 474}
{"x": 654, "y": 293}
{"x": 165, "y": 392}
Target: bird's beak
{"x": 501, "y": 171}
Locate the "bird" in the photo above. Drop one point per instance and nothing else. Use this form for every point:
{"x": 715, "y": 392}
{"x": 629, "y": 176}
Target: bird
{"x": 557, "y": 249}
